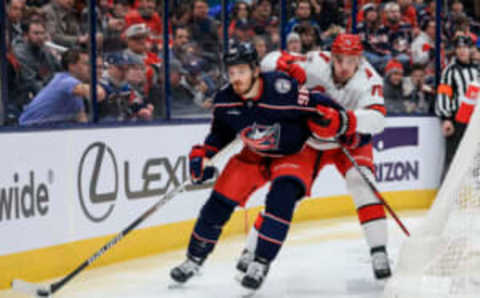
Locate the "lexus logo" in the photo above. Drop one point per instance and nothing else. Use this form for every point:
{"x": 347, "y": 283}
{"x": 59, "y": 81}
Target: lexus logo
{"x": 97, "y": 190}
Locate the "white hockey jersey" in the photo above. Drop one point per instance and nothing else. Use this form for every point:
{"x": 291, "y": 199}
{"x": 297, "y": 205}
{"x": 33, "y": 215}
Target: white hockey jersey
{"x": 363, "y": 93}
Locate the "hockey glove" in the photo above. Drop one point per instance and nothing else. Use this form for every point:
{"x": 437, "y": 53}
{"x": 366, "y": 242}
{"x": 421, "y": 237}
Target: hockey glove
{"x": 286, "y": 64}
{"x": 354, "y": 141}
{"x": 199, "y": 173}
{"x": 333, "y": 123}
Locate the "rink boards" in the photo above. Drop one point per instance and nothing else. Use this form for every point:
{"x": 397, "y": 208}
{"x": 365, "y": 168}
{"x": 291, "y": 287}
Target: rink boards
{"x": 66, "y": 193}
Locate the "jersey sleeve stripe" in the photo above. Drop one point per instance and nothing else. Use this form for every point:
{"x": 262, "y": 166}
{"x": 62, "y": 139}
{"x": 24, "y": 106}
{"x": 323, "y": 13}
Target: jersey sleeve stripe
{"x": 378, "y": 108}
{"x": 286, "y": 108}
{"x": 227, "y": 105}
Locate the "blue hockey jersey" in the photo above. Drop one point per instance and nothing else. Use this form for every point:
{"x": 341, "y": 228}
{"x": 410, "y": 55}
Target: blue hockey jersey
{"x": 276, "y": 119}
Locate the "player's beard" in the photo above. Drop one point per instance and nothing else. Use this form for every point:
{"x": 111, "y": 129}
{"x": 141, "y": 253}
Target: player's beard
{"x": 242, "y": 88}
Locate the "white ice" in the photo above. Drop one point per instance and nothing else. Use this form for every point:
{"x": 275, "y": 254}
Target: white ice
{"x": 322, "y": 259}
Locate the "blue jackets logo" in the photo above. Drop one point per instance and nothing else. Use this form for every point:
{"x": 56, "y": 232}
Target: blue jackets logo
{"x": 261, "y": 138}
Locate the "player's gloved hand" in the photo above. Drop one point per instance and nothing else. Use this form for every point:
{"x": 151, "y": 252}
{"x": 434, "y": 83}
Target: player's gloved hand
{"x": 332, "y": 122}
{"x": 199, "y": 172}
{"x": 354, "y": 141}
{"x": 286, "y": 63}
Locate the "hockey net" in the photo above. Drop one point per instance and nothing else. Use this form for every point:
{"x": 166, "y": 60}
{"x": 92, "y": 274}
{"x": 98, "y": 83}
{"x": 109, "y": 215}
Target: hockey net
{"x": 442, "y": 258}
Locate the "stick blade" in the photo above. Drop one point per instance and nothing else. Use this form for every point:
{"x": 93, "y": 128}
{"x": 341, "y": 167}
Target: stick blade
{"x": 29, "y": 288}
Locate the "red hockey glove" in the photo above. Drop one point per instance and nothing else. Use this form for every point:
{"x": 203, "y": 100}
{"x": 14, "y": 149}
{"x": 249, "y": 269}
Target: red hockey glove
{"x": 198, "y": 171}
{"x": 333, "y": 123}
{"x": 286, "y": 64}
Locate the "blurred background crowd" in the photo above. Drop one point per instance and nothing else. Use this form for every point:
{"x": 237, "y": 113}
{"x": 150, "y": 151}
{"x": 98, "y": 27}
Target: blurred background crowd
{"x": 48, "y": 68}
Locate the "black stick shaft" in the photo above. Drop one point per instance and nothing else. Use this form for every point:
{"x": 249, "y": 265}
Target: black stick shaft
{"x": 375, "y": 190}
{"x": 59, "y": 284}
{"x": 167, "y": 197}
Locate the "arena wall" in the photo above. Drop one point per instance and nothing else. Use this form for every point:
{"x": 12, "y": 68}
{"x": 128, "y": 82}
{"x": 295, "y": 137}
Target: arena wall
{"x": 66, "y": 193}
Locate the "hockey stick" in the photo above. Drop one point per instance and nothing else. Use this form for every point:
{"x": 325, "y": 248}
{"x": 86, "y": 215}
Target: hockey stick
{"x": 374, "y": 189}
{"x": 47, "y": 291}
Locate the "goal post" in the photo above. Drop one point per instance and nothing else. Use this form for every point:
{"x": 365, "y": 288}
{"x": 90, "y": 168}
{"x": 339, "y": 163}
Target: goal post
{"x": 442, "y": 258}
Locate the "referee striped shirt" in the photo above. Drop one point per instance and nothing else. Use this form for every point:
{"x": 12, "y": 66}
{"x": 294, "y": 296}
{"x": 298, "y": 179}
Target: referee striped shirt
{"x": 453, "y": 84}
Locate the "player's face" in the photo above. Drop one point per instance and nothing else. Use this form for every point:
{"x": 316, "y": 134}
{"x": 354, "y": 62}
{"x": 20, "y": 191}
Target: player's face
{"x": 241, "y": 77}
{"x": 344, "y": 67}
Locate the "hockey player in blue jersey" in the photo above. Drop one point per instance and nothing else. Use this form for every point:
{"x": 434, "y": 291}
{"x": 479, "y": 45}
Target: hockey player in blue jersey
{"x": 270, "y": 114}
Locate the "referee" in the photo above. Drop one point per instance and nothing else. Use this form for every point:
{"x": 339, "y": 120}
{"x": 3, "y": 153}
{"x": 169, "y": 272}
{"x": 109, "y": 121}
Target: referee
{"x": 453, "y": 84}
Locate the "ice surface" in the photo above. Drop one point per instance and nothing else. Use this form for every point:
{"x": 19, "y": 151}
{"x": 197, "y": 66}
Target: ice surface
{"x": 320, "y": 259}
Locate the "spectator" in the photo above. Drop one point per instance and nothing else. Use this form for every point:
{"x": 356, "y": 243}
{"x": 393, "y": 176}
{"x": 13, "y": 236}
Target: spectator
{"x": 137, "y": 49}
{"x": 294, "y": 44}
{"x": 303, "y": 15}
{"x": 240, "y": 12}
{"x": 261, "y": 46}
{"x": 63, "y": 25}
{"x": 243, "y": 32}
{"x": 182, "y": 15}
{"x": 204, "y": 30}
{"x": 399, "y": 34}
{"x": 309, "y": 36}
{"x": 15, "y": 13}
{"x": 181, "y": 37}
{"x": 272, "y": 34}
{"x": 199, "y": 83}
{"x": 457, "y": 8}
{"x": 328, "y": 14}
{"x": 139, "y": 102}
{"x": 456, "y": 78}
{"x": 462, "y": 24}
{"x": 183, "y": 96}
{"x": 61, "y": 101}
{"x": 456, "y": 18}
{"x": 33, "y": 14}
{"x": 261, "y": 16}
{"x": 393, "y": 88}
{"x": 409, "y": 14}
{"x": 420, "y": 96}
{"x": 374, "y": 38}
{"x": 115, "y": 107}
{"x": 120, "y": 9}
{"x": 144, "y": 13}
{"x": 109, "y": 27}
{"x": 37, "y": 64}
{"x": 428, "y": 12}
{"x": 423, "y": 48}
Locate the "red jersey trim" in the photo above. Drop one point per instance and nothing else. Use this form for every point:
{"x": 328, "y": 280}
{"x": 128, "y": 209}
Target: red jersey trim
{"x": 378, "y": 108}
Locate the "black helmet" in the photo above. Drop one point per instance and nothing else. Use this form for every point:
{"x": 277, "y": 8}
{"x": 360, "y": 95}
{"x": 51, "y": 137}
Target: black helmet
{"x": 241, "y": 53}
{"x": 462, "y": 40}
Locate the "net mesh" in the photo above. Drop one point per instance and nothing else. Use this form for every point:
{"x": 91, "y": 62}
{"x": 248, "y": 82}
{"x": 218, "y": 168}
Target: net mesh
{"x": 442, "y": 259}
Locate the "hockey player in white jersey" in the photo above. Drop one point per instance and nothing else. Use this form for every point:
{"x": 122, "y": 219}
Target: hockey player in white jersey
{"x": 348, "y": 78}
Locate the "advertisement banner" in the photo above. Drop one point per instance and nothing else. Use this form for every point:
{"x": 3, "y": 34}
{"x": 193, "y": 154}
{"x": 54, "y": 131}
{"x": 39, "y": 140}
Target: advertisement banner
{"x": 63, "y": 186}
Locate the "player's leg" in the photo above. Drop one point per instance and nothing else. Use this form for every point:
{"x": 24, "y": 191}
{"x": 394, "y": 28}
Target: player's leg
{"x": 233, "y": 187}
{"x": 272, "y": 231}
{"x": 248, "y": 252}
{"x": 292, "y": 178}
{"x": 370, "y": 210}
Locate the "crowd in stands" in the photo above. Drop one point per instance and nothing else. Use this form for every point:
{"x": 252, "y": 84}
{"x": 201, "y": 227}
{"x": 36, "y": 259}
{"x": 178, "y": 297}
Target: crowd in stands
{"x": 398, "y": 38}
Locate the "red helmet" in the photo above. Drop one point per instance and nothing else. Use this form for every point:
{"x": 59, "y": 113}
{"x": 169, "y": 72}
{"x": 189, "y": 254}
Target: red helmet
{"x": 348, "y": 44}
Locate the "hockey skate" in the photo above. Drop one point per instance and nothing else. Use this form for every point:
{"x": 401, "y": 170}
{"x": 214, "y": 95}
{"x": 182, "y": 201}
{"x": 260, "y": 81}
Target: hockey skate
{"x": 183, "y": 272}
{"x": 381, "y": 265}
{"x": 256, "y": 274}
{"x": 242, "y": 265}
